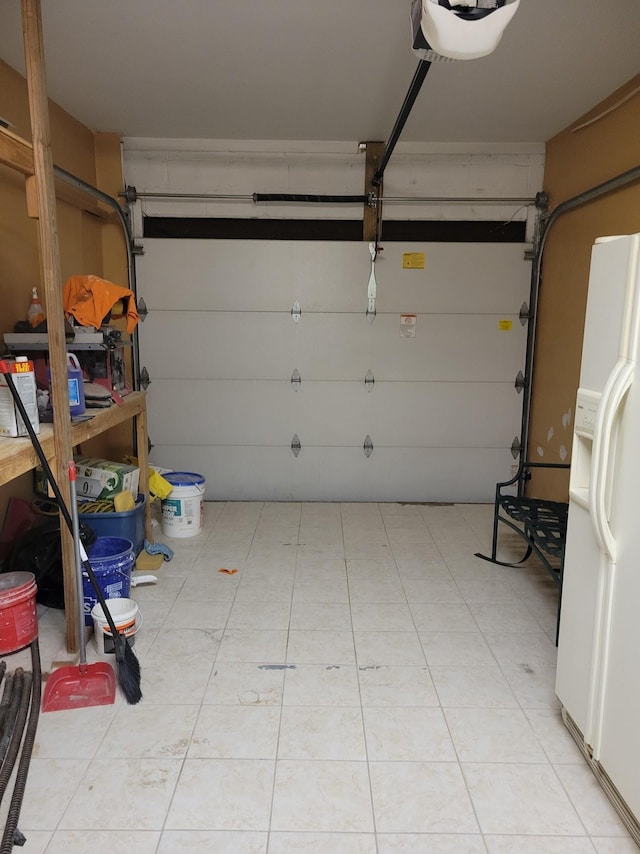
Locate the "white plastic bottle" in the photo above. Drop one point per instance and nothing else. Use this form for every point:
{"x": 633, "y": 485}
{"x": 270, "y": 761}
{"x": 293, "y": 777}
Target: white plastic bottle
{"x": 35, "y": 314}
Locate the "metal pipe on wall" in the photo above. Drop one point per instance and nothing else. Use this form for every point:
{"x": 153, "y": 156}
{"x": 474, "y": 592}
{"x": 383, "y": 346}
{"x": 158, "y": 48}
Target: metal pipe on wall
{"x": 624, "y": 179}
{"x": 74, "y": 181}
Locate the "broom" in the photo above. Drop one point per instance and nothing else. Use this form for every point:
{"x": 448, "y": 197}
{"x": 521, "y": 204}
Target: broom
{"x": 128, "y": 668}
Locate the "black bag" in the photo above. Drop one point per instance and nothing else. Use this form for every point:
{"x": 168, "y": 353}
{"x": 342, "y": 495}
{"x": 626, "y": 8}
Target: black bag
{"x": 39, "y": 551}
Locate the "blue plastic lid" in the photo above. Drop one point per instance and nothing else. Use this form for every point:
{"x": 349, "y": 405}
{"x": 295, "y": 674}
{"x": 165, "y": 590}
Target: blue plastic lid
{"x": 183, "y": 478}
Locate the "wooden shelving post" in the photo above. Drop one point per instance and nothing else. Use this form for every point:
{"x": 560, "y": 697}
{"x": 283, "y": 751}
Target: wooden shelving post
{"x": 52, "y": 277}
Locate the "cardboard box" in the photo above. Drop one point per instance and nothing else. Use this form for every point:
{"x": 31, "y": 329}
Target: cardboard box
{"x": 98, "y": 479}
{"x": 104, "y": 478}
{"x": 24, "y": 379}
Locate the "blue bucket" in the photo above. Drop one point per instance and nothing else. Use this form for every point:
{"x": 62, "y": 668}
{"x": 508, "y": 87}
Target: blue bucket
{"x": 112, "y": 560}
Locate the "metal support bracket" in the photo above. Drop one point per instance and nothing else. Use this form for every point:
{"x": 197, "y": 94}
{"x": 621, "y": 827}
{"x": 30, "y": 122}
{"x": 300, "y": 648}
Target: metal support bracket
{"x": 524, "y": 314}
{"x": 144, "y": 379}
{"x": 295, "y": 445}
{"x": 143, "y": 311}
{"x": 516, "y": 447}
{"x": 520, "y": 382}
{"x": 296, "y": 311}
{"x": 367, "y": 446}
{"x": 369, "y": 380}
{"x": 296, "y": 380}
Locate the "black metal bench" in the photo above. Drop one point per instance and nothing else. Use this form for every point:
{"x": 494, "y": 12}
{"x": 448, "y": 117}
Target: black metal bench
{"x": 542, "y": 524}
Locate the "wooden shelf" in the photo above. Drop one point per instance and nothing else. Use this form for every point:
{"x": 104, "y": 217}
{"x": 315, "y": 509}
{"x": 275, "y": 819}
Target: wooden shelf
{"x": 18, "y": 457}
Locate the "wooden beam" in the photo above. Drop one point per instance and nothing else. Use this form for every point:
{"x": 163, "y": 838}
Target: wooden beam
{"x": 52, "y": 277}
{"x": 17, "y": 153}
{"x": 375, "y": 150}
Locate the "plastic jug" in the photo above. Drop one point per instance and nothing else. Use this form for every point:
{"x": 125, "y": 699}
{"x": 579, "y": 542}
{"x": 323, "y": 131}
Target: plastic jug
{"x": 76, "y": 387}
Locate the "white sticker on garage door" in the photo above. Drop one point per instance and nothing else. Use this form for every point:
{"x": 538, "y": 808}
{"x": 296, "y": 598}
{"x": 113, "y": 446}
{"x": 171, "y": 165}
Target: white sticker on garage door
{"x": 408, "y": 323}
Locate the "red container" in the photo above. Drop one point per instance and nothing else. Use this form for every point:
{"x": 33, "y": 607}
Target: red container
{"x": 18, "y": 618}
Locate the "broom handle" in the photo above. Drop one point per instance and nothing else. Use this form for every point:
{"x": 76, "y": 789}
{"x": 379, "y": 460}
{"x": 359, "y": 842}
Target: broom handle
{"x": 4, "y": 370}
{"x": 76, "y": 548}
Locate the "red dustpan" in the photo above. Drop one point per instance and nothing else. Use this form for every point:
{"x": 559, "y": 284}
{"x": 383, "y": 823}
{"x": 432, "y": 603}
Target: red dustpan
{"x": 73, "y": 687}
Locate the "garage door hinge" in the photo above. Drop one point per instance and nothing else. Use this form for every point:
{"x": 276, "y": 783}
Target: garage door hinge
{"x": 143, "y": 311}
{"x": 295, "y": 445}
{"x": 367, "y": 446}
{"x": 369, "y": 380}
{"x": 144, "y": 380}
{"x": 296, "y": 311}
{"x": 516, "y": 447}
{"x": 520, "y": 382}
{"x": 296, "y": 379}
{"x": 525, "y": 314}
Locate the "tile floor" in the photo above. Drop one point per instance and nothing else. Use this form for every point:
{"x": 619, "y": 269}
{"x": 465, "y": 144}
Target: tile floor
{"x": 362, "y": 684}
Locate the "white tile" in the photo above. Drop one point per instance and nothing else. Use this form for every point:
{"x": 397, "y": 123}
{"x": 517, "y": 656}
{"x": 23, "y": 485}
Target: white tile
{"x": 130, "y": 735}
{"x": 521, "y": 799}
{"x": 222, "y": 794}
{"x": 554, "y": 737}
{"x": 533, "y": 685}
{"x": 439, "y": 590}
{"x": 527, "y": 650}
{"x": 383, "y": 617}
{"x": 137, "y": 791}
{"x": 593, "y": 806}
{"x": 181, "y": 645}
{"x": 614, "y": 845}
{"x": 322, "y": 796}
{"x": 504, "y": 617}
{"x": 430, "y": 843}
{"x": 182, "y": 683}
{"x": 245, "y": 684}
{"x": 439, "y": 801}
{"x": 206, "y": 841}
{"x": 388, "y": 685}
{"x": 321, "y": 732}
{"x": 493, "y": 735}
{"x": 372, "y": 590}
{"x": 112, "y": 841}
{"x": 442, "y": 617}
{"x": 473, "y": 687}
{"x": 322, "y": 843}
{"x": 260, "y": 615}
{"x": 320, "y": 590}
{"x": 537, "y": 844}
{"x": 457, "y": 649}
{"x": 73, "y": 733}
{"x": 402, "y": 648}
{"x": 43, "y": 803}
{"x": 321, "y": 615}
{"x": 407, "y": 734}
{"x": 191, "y": 614}
{"x": 320, "y": 647}
{"x": 253, "y": 645}
{"x": 322, "y": 685}
{"x": 235, "y": 732}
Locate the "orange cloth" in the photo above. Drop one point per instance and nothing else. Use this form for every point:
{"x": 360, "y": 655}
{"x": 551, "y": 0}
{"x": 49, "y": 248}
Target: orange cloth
{"x": 89, "y": 299}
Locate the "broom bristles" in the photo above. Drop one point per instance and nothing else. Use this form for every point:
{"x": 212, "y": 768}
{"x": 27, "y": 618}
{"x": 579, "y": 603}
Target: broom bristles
{"x": 128, "y": 672}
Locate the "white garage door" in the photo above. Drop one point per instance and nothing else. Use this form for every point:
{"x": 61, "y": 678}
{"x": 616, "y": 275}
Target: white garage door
{"x": 221, "y": 346}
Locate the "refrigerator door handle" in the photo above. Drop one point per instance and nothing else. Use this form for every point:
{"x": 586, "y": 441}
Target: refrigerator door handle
{"x": 615, "y": 389}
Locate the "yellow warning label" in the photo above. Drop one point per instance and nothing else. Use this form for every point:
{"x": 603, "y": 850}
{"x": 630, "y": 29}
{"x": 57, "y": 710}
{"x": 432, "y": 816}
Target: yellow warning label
{"x": 413, "y": 260}
{"x": 505, "y": 325}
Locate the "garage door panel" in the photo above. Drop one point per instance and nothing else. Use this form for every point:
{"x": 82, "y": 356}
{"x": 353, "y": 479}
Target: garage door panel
{"x": 244, "y": 275}
{"x": 220, "y": 345}
{"x": 333, "y": 414}
{"x": 473, "y": 279}
{"x": 249, "y": 345}
{"x": 344, "y": 474}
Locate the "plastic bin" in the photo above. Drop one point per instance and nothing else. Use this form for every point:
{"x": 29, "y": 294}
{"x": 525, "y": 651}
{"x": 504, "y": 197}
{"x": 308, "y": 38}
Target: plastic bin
{"x": 128, "y": 524}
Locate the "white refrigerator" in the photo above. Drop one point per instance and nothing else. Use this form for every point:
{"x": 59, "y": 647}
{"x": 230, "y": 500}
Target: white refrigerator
{"x": 598, "y": 674}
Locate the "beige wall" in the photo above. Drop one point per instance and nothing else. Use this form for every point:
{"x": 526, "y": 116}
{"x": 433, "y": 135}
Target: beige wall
{"x": 576, "y": 160}
{"x": 87, "y": 244}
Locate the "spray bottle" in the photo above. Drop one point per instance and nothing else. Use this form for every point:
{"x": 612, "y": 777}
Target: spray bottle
{"x": 35, "y": 314}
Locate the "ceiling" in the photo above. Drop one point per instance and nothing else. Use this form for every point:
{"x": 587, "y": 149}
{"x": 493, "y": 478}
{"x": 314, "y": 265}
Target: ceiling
{"x": 320, "y": 69}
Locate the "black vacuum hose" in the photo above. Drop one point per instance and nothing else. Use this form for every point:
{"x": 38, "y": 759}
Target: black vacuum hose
{"x": 11, "y": 826}
{"x": 18, "y": 731}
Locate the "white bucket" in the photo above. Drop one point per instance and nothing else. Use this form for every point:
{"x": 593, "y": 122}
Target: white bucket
{"x": 183, "y": 510}
{"x": 126, "y": 617}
